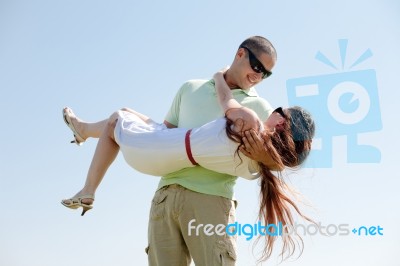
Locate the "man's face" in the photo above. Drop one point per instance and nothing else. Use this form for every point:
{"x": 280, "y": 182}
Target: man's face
{"x": 247, "y": 76}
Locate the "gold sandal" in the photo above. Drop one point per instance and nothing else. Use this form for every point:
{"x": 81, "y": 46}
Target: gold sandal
{"x": 67, "y": 119}
{"x": 76, "y": 202}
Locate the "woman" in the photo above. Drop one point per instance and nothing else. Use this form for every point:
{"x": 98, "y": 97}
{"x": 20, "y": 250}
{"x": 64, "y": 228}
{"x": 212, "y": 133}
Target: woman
{"x": 152, "y": 148}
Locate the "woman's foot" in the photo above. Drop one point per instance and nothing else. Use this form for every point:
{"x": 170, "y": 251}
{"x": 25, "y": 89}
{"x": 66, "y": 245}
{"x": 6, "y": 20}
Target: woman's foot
{"x": 79, "y": 200}
{"x": 75, "y": 125}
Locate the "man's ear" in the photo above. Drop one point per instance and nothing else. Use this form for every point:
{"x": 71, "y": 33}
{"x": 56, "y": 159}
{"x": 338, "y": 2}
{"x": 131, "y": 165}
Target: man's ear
{"x": 240, "y": 53}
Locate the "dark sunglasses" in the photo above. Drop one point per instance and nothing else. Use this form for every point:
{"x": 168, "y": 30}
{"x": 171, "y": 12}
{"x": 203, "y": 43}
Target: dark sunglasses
{"x": 256, "y": 64}
{"x": 279, "y": 110}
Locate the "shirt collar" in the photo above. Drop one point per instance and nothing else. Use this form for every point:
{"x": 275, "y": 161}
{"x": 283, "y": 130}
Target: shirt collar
{"x": 249, "y": 92}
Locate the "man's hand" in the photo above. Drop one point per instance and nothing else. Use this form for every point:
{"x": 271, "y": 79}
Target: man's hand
{"x": 254, "y": 149}
{"x": 253, "y": 146}
{"x": 169, "y": 125}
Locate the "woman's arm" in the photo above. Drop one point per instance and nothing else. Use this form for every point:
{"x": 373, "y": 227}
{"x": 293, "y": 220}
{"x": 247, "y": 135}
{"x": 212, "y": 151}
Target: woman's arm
{"x": 224, "y": 93}
{"x": 244, "y": 117}
{"x": 253, "y": 146}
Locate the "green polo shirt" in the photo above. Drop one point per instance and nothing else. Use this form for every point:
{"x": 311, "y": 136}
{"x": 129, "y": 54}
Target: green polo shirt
{"x": 194, "y": 105}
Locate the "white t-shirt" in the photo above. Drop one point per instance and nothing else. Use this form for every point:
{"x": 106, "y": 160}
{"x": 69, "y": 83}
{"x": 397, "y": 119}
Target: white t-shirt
{"x": 153, "y": 149}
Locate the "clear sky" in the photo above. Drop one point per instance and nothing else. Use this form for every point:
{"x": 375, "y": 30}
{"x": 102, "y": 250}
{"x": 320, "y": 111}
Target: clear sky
{"x": 98, "y": 56}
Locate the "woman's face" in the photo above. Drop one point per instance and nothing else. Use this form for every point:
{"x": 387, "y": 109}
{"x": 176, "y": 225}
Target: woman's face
{"x": 275, "y": 119}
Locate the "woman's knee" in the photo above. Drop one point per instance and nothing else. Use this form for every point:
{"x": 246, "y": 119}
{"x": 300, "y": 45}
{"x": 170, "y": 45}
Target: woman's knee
{"x": 111, "y": 123}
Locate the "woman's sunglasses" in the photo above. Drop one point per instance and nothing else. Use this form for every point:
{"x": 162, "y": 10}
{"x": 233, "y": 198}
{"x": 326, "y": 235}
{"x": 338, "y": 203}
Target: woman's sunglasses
{"x": 256, "y": 64}
{"x": 279, "y": 110}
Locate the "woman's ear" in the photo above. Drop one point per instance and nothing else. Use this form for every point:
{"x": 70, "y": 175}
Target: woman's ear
{"x": 281, "y": 121}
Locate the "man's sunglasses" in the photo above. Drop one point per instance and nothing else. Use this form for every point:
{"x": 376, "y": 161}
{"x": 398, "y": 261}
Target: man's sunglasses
{"x": 256, "y": 64}
{"x": 279, "y": 110}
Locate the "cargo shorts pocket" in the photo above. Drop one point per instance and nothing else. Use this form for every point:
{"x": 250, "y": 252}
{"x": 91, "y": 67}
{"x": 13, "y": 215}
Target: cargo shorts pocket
{"x": 226, "y": 253}
{"x": 228, "y": 207}
{"x": 157, "y": 209}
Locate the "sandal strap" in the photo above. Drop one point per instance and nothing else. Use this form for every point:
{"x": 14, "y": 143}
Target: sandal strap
{"x": 67, "y": 119}
{"x": 87, "y": 196}
{"x": 78, "y": 200}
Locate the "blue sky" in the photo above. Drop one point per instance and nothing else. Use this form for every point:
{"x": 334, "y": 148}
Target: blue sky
{"x": 98, "y": 56}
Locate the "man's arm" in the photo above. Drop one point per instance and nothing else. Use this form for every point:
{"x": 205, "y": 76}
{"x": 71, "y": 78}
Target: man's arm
{"x": 171, "y": 119}
{"x": 169, "y": 125}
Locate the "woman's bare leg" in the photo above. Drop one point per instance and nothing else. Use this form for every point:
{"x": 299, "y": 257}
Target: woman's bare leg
{"x": 94, "y": 130}
{"x": 106, "y": 149}
{"x": 105, "y": 154}
{"x": 85, "y": 129}
{"x": 143, "y": 117}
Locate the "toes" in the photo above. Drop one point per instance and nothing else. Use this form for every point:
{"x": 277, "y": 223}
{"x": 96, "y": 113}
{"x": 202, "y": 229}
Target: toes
{"x": 67, "y": 202}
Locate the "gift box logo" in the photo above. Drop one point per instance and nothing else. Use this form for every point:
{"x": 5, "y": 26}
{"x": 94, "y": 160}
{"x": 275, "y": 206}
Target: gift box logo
{"x": 345, "y": 103}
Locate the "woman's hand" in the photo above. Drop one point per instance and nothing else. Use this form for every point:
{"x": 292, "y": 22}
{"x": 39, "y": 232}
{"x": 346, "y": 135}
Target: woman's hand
{"x": 220, "y": 74}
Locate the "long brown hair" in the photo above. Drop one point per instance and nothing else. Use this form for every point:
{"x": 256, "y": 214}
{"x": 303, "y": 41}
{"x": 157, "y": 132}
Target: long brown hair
{"x": 288, "y": 146}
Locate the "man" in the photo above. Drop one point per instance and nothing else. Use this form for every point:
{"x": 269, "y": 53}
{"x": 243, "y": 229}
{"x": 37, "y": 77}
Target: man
{"x": 194, "y": 197}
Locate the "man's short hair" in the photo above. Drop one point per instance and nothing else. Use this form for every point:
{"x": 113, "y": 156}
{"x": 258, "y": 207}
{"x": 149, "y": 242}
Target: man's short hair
{"x": 259, "y": 45}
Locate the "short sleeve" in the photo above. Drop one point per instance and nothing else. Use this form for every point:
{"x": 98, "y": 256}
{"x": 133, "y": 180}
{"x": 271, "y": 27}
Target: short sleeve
{"x": 173, "y": 113}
